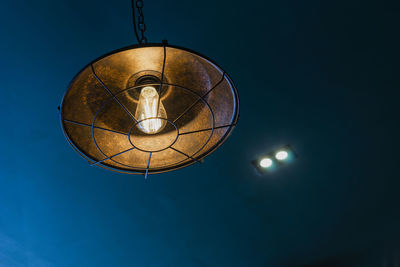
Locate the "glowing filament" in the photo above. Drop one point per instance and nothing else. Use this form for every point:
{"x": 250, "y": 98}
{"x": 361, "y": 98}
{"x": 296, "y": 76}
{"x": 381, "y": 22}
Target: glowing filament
{"x": 147, "y": 113}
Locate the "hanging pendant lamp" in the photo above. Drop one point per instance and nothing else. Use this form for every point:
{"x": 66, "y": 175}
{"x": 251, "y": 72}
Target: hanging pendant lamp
{"x": 149, "y": 108}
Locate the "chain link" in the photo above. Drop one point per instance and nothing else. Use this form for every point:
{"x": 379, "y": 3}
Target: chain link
{"x": 141, "y": 25}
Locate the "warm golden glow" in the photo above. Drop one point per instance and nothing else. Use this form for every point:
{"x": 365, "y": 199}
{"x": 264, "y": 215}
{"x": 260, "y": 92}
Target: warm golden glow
{"x": 149, "y": 100}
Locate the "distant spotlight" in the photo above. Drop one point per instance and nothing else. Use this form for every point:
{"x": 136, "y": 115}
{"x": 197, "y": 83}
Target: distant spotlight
{"x": 281, "y": 155}
{"x": 270, "y": 162}
{"x": 266, "y": 162}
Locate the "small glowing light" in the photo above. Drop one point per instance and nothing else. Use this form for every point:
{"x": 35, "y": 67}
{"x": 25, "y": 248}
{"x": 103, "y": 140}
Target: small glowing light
{"x": 266, "y": 163}
{"x": 146, "y": 111}
{"x": 281, "y": 155}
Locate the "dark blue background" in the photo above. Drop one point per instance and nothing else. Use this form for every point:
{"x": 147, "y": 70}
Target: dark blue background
{"x": 320, "y": 75}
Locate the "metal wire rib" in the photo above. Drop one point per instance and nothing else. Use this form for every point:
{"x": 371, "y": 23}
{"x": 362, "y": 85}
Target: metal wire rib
{"x": 88, "y": 125}
{"x": 93, "y": 137}
{"x": 100, "y": 161}
{"x": 189, "y": 157}
{"x": 148, "y": 165}
{"x": 113, "y": 96}
{"x": 198, "y": 100}
{"x": 162, "y": 81}
{"x": 207, "y": 129}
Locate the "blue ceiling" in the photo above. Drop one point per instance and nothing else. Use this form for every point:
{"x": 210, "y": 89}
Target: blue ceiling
{"x": 320, "y": 75}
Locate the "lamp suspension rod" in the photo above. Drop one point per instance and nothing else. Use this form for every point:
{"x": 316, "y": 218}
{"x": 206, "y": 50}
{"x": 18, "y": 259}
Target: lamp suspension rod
{"x": 139, "y": 26}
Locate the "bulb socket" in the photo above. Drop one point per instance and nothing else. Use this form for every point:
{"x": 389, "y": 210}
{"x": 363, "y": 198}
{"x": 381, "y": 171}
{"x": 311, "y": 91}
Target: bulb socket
{"x": 147, "y": 79}
{"x": 144, "y": 78}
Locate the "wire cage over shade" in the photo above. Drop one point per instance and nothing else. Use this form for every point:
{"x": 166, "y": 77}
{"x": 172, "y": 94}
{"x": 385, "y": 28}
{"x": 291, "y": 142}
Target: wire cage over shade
{"x": 98, "y": 110}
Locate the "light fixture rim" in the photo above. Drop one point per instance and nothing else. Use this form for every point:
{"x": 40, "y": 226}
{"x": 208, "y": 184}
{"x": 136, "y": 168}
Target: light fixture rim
{"x": 233, "y": 123}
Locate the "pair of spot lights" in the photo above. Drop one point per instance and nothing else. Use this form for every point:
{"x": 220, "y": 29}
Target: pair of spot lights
{"x": 267, "y": 162}
{"x": 274, "y": 160}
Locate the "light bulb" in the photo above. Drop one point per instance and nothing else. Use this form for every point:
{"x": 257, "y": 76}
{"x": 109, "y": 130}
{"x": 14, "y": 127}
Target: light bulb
{"x": 149, "y": 100}
{"x": 281, "y": 155}
{"x": 266, "y": 162}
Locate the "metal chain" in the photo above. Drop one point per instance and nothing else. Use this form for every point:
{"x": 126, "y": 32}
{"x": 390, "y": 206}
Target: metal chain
{"x": 141, "y": 26}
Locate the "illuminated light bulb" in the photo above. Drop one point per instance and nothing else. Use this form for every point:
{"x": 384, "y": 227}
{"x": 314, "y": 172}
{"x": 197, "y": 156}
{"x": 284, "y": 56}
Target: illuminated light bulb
{"x": 266, "y": 162}
{"x": 281, "y": 155}
{"x": 149, "y": 100}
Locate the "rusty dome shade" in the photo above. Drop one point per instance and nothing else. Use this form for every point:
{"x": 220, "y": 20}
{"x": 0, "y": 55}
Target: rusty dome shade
{"x": 98, "y": 111}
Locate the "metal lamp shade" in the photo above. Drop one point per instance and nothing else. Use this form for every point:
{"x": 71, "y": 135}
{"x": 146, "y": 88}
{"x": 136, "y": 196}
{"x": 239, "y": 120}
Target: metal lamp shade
{"x": 98, "y": 110}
